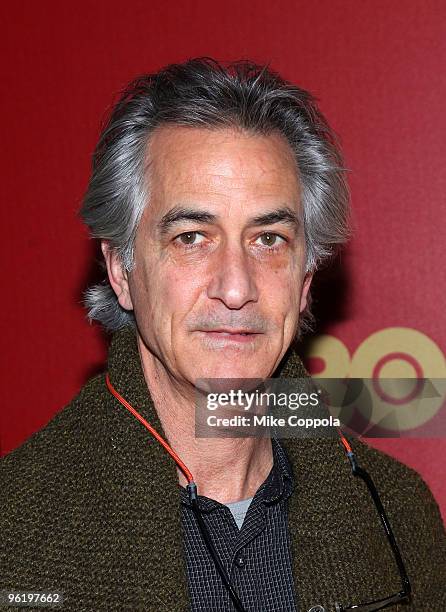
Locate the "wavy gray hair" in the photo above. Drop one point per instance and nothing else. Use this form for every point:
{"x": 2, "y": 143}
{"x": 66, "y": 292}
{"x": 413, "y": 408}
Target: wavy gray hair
{"x": 204, "y": 93}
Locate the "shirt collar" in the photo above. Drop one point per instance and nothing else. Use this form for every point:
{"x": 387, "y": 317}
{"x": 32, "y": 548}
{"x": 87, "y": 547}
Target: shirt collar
{"x": 278, "y": 483}
{"x": 280, "y": 480}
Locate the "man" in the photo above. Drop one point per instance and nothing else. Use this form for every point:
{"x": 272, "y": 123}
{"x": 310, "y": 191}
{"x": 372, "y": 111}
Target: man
{"x": 216, "y": 193}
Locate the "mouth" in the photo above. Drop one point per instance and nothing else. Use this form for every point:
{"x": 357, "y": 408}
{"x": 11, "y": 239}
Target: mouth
{"x": 239, "y": 336}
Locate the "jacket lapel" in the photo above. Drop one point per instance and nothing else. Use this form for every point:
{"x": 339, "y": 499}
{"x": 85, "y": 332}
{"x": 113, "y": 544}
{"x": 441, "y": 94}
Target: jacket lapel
{"x": 146, "y": 485}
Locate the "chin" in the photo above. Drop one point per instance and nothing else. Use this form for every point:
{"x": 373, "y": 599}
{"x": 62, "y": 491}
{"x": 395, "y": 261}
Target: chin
{"x": 228, "y": 361}
{"x": 229, "y": 369}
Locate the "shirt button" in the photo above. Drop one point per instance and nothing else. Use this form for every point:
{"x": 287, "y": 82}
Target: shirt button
{"x": 240, "y": 561}
{"x": 317, "y": 609}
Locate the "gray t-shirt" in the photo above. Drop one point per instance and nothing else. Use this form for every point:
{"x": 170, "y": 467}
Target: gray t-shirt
{"x": 239, "y": 510}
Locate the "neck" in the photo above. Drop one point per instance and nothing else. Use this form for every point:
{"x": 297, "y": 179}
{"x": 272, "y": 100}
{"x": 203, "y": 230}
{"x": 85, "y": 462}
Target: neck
{"x": 224, "y": 469}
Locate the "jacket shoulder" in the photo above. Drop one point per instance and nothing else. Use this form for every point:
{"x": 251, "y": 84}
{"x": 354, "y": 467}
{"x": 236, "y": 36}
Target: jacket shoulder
{"x": 45, "y": 485}
{"x": 394, "y": 478}
{"x": 45, "y": 471}
{"x": 416, "y": 522}
{"x": 56, "y": 439}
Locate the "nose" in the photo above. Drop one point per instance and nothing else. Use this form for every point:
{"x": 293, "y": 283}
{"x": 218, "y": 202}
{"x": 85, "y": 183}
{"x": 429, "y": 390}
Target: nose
{"x": 233, "y": 279}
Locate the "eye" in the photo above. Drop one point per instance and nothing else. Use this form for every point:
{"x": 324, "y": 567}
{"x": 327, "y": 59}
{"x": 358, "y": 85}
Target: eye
{"x": 269, "y": 239}
{"x": 190, "y": 238}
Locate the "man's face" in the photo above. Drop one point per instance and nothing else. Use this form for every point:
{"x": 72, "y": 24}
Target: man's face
{"x": 219, "y": 276}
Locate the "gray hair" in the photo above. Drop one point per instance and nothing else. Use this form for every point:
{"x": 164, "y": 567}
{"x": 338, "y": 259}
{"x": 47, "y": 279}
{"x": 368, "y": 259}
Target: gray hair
{"x": 204, "y": 93}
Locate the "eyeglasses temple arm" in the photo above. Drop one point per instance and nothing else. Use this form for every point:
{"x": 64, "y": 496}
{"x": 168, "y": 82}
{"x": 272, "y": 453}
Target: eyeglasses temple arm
{"x": 365, "y": 476}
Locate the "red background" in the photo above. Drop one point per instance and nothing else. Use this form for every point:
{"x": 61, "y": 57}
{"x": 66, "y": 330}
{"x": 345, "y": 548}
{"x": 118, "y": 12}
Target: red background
{"x": 378, "y": 68}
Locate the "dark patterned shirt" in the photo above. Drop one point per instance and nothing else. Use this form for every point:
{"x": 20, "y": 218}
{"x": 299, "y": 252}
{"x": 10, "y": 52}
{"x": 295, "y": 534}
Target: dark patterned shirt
{"x": 256, "y": 557}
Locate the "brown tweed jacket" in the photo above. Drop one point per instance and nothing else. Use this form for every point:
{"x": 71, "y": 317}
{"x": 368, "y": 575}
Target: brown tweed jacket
{"x": 90, "y": 507}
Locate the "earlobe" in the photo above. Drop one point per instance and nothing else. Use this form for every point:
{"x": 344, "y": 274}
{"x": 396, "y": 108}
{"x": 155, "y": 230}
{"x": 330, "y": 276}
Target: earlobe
{"x": 117, "y": 275}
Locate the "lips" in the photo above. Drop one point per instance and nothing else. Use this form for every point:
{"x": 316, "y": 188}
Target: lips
{"x": 242, "y": 332}
{"x": 234, "y": 335}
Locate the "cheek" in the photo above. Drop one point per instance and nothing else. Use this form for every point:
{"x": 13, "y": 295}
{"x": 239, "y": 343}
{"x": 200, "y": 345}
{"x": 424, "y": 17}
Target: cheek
{"x": 280, "y": 284}
{"x": 146, "y": 292}
{"x": 176, "y": 293}
{"x": 295, "y": 281}
{"x": 290, "y": 299}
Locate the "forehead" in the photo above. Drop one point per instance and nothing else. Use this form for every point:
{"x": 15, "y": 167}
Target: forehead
{"x": 222, "y": 165}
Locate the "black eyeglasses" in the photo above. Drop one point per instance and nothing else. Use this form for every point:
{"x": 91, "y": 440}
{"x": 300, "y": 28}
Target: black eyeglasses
{"x": 404, "y": 594}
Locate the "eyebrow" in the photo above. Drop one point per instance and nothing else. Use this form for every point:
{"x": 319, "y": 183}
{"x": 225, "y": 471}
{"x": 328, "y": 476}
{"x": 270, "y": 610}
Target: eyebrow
{"x": 179, "y": 214}
{"x": 280, "y": 215}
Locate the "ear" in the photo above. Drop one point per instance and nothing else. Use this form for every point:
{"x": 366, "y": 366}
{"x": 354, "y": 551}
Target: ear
{"x": 117, "y": 275}
{"x": 305, "y": 288}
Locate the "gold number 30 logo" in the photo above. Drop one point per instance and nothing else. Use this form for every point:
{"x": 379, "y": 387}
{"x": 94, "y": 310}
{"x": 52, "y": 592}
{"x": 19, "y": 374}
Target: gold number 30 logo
{"x": 390, "y": 353}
